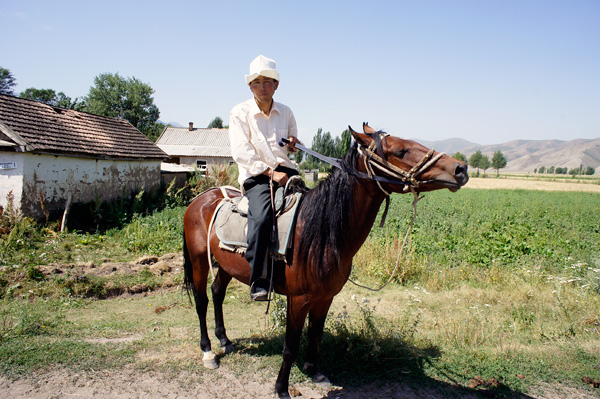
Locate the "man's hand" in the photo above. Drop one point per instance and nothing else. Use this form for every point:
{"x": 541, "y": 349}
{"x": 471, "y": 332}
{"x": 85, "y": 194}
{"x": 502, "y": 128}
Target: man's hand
{"x": 281, "y": 178}
{"x": 292, "y": 144}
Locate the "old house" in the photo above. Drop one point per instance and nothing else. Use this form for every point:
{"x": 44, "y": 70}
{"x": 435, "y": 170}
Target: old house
{"x": 49, "y": 154}
{"x": 195, "y": 148}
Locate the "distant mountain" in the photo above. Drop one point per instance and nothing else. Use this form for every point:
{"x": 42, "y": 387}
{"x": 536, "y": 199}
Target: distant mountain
{"x": 527, "y": 155}
{"x": 174, "y": 124}
{"x": 449, "y": 146}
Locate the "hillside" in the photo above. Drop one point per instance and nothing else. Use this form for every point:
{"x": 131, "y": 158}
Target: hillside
{"x": 449, "y": 146}
{"x": 527, "y": 155}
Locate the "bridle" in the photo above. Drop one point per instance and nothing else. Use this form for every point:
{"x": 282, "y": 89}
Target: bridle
{"x": 408, "y": 179}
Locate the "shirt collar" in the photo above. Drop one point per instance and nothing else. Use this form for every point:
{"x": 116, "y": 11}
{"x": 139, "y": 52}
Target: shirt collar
{"x": 255, "y": 110}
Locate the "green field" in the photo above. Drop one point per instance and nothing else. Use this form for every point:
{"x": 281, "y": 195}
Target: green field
{"x": 550, "y": 232}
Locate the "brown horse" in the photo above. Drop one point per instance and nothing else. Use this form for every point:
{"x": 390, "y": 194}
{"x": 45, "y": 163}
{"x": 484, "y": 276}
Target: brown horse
{"x": 334, "y": 220}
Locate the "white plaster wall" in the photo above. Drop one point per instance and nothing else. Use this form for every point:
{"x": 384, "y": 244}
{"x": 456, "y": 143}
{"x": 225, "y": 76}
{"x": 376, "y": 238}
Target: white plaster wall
{"x": 210, "y": 161}
{"x": 52, "y": 178}
{"x": 11, "y": 179}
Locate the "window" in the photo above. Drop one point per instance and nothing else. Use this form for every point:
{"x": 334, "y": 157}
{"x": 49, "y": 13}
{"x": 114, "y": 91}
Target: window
{"x": 201, "y": 165}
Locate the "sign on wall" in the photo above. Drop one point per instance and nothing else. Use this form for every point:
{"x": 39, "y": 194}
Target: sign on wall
{"x": 8, "y": 165}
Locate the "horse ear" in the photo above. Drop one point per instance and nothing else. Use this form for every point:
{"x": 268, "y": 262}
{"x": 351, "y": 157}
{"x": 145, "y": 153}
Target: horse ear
{"x": 360, "y": 138}
{"x": 368, "y": 129}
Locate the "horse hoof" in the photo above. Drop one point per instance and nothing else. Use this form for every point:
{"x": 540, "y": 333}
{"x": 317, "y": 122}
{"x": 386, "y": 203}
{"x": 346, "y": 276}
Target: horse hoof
{"x": 285, "y": 395}
{"x": 210, "y": 360}
{"x": 211, "y": 364}
{"x": 229, "y": 349}
{"x": 320, "y": 380}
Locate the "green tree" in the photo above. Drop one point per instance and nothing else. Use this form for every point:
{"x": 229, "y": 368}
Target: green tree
{"x": 460, "y": 156}
{"x": 155, "y": 131}
{"x": 312, "y": 162}
{"x": 542, "y": 170}
{"x": 484, "y": 163}
{"x": 499, "y": 161}
{"x": 324, "y": 145}
{"x": 561, "y": 171}
{"x": 7, "y": 82}
{"x": 216, "y": 123}
{"x": 46, "y": 96}
{"x": 475, "y": 160}
{"x": 126, "y": 98}
{"x": 589, "y": 171}
{"x": 64, "y": 101}
{"x": 327, "y": 145}
{"x": 50, "y": 97}
{"x": 345, "y": 143}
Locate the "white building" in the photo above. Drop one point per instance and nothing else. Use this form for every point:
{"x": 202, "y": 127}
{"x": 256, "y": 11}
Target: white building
{"x": 200, "y": 149}
{"x": 48, "y": 154}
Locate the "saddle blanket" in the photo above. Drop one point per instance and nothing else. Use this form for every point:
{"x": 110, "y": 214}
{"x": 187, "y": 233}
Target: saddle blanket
{"x": 231, "y": 224}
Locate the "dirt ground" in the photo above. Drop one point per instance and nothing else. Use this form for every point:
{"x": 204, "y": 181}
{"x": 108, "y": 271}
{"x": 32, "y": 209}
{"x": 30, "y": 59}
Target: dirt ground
{"x": 129, "y": 383}
{"x": 530, "y": 184}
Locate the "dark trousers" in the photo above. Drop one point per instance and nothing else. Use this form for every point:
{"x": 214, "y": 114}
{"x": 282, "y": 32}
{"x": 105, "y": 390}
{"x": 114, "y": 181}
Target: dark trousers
{"x": 260, "y": 222}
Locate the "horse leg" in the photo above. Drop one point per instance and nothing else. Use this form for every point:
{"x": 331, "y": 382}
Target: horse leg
{"x": 296, "y": 314}
{"x": 196, "y": 272}
{"x": 201, "y": 299}
{"x": 316, "y": 323}
{"x": 219, "y": 289}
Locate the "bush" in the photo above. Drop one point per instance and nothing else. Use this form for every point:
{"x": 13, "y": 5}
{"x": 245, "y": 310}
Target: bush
{"x": 16, "y": 232}
{"x": 220, "y": 175}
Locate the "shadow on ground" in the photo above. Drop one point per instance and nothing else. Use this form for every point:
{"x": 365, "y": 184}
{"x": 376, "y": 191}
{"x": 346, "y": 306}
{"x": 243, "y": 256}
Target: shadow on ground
{"x": 362, "y": 367}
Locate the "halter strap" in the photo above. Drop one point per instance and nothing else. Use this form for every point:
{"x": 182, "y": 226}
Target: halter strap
{"x": 408, "y": 179}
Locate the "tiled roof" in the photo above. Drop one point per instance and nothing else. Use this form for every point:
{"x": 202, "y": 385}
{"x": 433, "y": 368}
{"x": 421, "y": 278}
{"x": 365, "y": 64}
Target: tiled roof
{"x": 180, "y": 141}
{"x": 39, "y": 127}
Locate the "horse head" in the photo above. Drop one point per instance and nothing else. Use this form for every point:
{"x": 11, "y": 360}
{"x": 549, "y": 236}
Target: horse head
{"x": 400, "y": 165}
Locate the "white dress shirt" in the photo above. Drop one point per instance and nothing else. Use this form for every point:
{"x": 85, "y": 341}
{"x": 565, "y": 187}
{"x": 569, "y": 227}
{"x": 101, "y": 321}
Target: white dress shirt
{"x": 255, "y": 137}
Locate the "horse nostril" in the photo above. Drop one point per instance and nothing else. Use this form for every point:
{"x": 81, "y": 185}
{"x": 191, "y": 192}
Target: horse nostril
{"x": 460, "y": 172}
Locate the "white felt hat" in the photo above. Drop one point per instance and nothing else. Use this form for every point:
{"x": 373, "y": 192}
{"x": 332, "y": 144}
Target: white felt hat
{"x": 262, "y": 66}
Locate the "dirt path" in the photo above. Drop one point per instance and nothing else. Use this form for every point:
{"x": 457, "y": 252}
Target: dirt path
{"x": 530, "y": 184}
{"x": 129, "y": 383}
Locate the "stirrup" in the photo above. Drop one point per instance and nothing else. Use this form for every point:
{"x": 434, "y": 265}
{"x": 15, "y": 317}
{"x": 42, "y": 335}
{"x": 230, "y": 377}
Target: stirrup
{"x": 259, "y": 294}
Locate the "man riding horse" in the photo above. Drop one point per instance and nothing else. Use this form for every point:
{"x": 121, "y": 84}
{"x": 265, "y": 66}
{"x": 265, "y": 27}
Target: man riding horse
{"x": 256, "y": 127}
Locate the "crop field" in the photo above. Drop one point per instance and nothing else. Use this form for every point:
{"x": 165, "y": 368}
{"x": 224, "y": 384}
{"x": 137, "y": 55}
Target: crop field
{"x": 497, "y": 294}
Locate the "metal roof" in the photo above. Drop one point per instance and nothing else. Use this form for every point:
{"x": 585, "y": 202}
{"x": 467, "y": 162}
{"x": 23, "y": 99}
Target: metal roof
{"x": 181, "y": 141}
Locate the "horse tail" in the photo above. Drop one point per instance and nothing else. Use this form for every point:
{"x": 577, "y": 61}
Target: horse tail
{"x": 188, "y": 271}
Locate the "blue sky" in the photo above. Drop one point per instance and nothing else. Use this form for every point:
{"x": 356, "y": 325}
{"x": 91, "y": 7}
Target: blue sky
{"x": 483, "y": 70}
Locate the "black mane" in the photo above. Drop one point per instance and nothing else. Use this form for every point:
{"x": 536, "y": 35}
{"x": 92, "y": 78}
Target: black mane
{"x": 326, "y": 210}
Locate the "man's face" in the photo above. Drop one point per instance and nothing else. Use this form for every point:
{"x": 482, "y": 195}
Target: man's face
{"x": 263, "y": 89}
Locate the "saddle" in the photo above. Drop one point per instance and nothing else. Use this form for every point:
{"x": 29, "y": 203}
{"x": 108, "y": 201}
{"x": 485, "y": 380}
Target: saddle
{"x": 230, "y": 220}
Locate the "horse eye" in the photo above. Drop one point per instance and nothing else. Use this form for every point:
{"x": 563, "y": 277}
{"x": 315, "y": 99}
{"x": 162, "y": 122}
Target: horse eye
{"x": 401, "y": 153}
